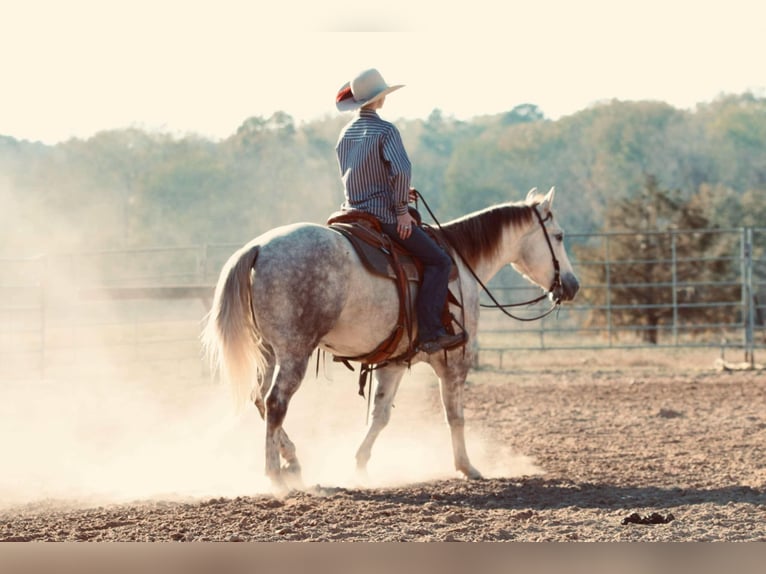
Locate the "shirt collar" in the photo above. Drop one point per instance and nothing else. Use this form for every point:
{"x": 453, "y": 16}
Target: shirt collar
{"x": 367, "y": 113}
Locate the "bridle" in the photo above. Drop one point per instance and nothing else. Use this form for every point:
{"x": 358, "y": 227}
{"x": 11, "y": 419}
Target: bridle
{"x": 505, "y": 306}
{"x": 556, "y": 266}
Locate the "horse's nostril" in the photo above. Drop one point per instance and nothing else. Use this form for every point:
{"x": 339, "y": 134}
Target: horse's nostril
{"x": 570, "y": 286}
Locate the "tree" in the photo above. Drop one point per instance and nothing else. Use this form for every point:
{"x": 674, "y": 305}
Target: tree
{"x": 657, "y": 263}
{"x": 734, "y": 129}
{"x": 431, "y": 147}
{"x": 522, "y": 114}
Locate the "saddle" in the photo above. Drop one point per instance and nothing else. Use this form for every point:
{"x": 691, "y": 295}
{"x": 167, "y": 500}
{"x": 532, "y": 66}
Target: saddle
{"x": 386, "y": 258}
{"x": 379, "y": 254}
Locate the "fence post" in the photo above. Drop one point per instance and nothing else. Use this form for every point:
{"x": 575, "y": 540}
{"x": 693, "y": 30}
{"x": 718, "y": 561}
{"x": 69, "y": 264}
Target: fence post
{"x": 201, "y": 264}
{"x": 748, "y": 295}
{"x": 674, "y": 281}
{"x": 608, "y": 280}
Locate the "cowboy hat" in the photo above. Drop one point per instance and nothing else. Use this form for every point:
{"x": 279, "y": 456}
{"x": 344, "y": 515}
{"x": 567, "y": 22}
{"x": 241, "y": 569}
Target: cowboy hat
{"x": 367, "y": 87}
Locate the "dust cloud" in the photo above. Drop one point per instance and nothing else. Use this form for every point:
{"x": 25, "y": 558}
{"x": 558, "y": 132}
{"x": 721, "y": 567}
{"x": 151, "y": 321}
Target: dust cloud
{"x": 106, "y": 440}
{"x": 113, "y": 438}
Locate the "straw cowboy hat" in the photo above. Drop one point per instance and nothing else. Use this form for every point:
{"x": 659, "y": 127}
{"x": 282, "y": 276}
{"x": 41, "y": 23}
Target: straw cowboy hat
{"x": 364, "y": 89}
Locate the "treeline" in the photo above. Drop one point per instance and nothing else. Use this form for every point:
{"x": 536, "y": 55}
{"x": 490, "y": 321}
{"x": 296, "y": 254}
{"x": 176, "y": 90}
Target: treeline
{"x": 132, "y": 188}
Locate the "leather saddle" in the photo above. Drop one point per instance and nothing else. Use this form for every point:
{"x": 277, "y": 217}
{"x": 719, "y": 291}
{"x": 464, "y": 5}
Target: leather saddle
{"x": 378, "y": 253}
{"x": 382, "y": 256}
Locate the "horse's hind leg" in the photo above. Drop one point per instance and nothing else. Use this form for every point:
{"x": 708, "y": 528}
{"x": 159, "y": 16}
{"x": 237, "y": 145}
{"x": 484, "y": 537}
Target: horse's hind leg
{"x": 289, "y": 376}
{"x": 452, "y": 375}
{"x": 388, "y": 379}
{"x": 264, "y": 384}
{"x": 286, "y": 446}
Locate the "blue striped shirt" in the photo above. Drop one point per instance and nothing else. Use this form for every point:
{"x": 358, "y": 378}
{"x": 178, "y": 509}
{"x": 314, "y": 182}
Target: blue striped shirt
{"x": 374, "y": 167}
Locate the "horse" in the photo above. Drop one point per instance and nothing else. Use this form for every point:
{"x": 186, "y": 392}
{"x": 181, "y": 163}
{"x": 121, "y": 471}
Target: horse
{"x": 302, "y": 286}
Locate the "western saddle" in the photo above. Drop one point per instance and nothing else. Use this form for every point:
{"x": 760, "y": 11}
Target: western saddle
{"x": 382, "y": 256}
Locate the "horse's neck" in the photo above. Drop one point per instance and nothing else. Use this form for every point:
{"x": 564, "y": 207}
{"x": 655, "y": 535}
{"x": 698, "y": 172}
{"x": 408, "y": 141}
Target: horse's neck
{"x": 506, "y": 252}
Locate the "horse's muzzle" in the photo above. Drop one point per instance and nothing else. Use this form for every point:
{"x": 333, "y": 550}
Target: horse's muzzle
{"x": 567, "y": 288}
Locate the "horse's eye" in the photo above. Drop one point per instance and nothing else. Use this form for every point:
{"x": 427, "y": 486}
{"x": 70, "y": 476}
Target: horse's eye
{"x": 559, "y": 237}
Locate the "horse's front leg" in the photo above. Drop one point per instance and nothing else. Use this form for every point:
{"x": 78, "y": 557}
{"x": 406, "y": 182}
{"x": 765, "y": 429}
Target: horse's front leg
{"x": 388, "y": 379}
{"x": 288, "y": 379}
{"x": 452, "y": 377}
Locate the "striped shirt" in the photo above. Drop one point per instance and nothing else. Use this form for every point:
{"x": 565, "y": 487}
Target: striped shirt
{"x": 374, "y": 167}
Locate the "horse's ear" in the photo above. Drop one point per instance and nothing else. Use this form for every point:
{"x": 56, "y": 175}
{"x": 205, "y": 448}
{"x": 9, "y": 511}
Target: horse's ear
{"x": 547, "y": 203}
{"x": 531, "y": 195}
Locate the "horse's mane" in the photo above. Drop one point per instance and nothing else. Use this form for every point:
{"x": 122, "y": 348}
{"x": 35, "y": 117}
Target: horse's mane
{"x": 478, "y": 235}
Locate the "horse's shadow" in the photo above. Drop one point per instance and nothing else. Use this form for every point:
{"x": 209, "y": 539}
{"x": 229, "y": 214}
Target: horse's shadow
{"x": 540, "y": 493}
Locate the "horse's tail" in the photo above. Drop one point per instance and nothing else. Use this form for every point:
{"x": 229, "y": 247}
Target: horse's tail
{"x": 231, "y": 338}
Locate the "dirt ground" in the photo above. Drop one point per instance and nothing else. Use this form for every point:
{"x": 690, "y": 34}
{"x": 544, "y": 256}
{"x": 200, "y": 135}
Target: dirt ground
{"x": 577, "y": 447}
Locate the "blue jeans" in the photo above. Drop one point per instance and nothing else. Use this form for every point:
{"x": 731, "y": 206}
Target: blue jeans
{"x": 433, "y": 291}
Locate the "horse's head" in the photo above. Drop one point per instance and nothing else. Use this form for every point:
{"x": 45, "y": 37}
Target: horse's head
{"x": 544, "y": 260}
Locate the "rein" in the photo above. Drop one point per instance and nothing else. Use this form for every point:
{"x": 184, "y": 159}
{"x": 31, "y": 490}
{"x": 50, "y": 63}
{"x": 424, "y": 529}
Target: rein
{"x": 496, "y": 304}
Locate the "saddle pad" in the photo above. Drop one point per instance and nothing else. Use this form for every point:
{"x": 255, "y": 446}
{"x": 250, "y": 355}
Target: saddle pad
{"x": 375, "y": 256}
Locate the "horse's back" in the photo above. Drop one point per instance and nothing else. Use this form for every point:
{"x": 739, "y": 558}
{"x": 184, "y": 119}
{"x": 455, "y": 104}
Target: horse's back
{"x": 311, "y": 288}
{"x": 298, "y": 242}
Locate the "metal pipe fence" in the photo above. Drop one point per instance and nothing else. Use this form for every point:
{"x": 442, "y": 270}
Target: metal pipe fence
{"x": 674, "y": 289}
{"x": 672, "y": 296}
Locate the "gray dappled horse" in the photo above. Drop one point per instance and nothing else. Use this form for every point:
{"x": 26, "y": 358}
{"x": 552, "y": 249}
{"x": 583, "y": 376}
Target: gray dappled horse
{"x": 302, "y": 286}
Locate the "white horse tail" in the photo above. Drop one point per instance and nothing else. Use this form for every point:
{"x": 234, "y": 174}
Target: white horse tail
{"x": 231, "y": 338}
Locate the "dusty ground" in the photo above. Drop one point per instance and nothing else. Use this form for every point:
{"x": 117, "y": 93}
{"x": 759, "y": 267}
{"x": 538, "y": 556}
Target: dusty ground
{"x": 593, "y": 443}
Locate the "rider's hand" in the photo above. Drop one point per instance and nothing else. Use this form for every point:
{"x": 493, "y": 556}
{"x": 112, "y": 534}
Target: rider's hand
{"x": 404, "y": 225}
{"x": 413, "y": 197}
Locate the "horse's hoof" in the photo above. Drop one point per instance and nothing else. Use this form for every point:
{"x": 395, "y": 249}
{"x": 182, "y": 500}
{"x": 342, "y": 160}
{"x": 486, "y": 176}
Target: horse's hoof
{"x": 279, "y": 488}
{"x": 291, "y": 472}
{"x": 361, "y": 477}
{"x": 472, "y": 474}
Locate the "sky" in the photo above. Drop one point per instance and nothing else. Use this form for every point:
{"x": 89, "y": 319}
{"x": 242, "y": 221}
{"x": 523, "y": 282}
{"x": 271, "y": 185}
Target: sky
{"x": 74, "y": 68}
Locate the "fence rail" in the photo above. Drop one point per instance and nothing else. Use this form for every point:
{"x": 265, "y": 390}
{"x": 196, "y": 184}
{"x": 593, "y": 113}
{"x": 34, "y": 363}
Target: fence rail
{"x": 143, "y": 308}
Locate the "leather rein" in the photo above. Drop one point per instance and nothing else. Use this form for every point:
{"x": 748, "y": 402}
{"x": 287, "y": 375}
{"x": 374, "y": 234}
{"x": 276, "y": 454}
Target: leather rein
{"x": 496, "y": 304}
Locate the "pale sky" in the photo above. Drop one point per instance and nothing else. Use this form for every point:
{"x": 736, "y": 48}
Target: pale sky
{"x": 73, "y": 68}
